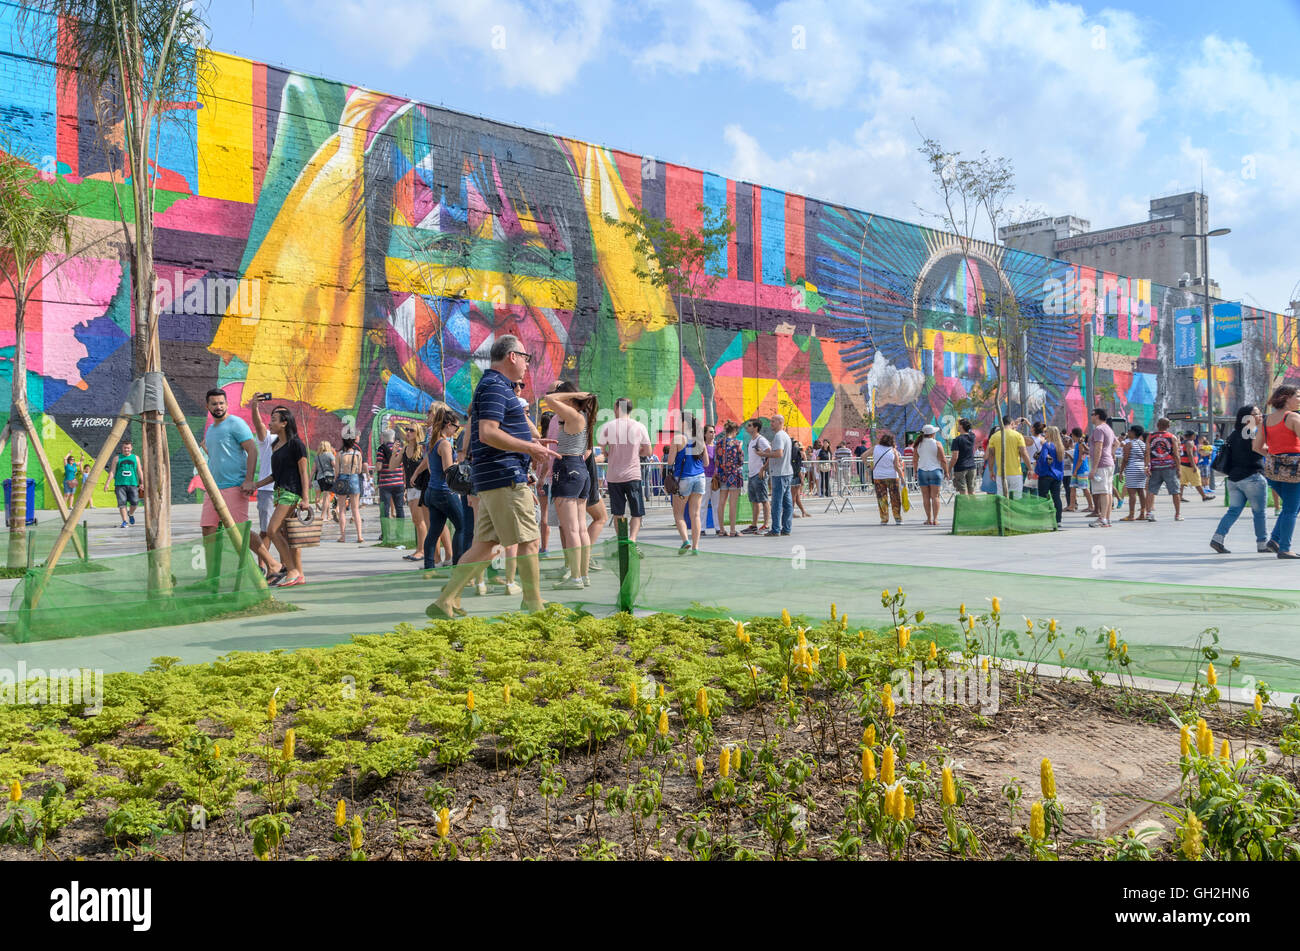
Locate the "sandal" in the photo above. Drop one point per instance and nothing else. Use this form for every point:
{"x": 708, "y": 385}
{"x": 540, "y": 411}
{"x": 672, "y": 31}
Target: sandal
{"x": 290, "y": 584}
{"x": 733, "y": 535}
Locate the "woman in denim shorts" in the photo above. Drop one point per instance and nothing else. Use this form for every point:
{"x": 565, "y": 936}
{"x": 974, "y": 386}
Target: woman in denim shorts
{"x": 576, "y": 413}
{"x": 687, "y": 459}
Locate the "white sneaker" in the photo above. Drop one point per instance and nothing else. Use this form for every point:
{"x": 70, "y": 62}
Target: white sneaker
{"x": 482, "y": 588}
{"x": 566, "y": 575}
{"x": 569, "y": 584}
{"x": 513, "y": 588}
{"x": 586, "y": 582}
{"x": 594, "y": 565}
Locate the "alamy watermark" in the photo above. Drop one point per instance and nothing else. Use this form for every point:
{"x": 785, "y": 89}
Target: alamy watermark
{"x": 209, "y": 295}
{"x": 965, "y": 686}
{"x": 36, "y": 686}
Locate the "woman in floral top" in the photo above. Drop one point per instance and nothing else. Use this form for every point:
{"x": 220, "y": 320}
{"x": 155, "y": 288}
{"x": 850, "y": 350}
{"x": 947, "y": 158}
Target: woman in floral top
{"x": 730, "y": 461}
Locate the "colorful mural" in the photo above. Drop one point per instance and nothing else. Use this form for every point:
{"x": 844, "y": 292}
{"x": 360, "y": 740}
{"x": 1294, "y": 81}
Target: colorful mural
{"x": 353, "y": 252}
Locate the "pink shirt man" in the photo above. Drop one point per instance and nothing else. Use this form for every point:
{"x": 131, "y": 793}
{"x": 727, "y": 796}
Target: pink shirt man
{"x": 623, "y": 438}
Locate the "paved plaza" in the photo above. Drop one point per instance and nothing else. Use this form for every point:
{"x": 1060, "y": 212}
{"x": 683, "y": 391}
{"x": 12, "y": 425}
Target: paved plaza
{"x": 1159, "y": 581}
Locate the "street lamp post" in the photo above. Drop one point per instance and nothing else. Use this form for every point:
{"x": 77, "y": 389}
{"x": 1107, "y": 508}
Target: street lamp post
{"x": 1208, "y": 319}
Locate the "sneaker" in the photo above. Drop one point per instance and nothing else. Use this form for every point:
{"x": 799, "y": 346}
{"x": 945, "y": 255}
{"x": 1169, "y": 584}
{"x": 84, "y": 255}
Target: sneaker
{"x": 594, "y": 565}
{"x": 1100, "y": 523}
{"x": 751, "y": 530}
{"x": 132, "y": 519}
{"x": 686, "y": 546}
{"x": 1208, "y": 496}
{"x": 785, "y": 533}
{"x": 1261, "y": 546}
{"x": 569, "y": 584}
{"x": 586, "y": 582}
{"x": 1151, "y": 517}
{"x": 512, "y": 588}
{"x": 771, "y": 534}
{"x": 1271, "y": 545}
{"x": 482, "y": 588}
{"x": 1218, "y": 546}
{"x": 123, "y": 525}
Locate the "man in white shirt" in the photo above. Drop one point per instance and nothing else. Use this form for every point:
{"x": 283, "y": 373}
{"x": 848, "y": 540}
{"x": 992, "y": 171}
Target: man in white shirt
{"x": 626, "y": 443}
{"x": 756, "y": 486}
{"x": 782, "y": 470}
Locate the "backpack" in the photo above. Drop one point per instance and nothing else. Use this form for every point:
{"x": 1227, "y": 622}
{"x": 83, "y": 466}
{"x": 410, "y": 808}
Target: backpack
{"x": 1164, "y": 451}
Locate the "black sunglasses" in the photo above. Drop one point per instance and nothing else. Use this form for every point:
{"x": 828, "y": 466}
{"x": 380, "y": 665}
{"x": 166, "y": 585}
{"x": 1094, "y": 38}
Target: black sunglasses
{"x": 528, "y": 357}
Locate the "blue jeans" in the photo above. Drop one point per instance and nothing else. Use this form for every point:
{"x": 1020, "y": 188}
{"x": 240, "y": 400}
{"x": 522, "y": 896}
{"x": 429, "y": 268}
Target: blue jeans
{"x": 444, "y": 506}
{"x": 782, "y": 506}
{"x": 1253, "y": 490}
{"x": 1284, "y": 527}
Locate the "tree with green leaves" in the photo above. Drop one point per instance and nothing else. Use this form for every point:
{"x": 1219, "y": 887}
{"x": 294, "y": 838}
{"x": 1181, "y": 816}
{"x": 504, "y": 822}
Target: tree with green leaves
{"x": 35, "y": 241}
{"x": 137, "y": 61}
{"x": 678, "y": 260}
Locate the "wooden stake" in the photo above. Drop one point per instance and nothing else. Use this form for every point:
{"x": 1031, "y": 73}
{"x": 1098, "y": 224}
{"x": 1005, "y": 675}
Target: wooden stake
{"x": 50, "y": 479}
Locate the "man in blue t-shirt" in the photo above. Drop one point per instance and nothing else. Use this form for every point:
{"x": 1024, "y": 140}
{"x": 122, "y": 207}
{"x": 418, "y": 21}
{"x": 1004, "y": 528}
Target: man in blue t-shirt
{"x": 232, "y": 460}
{"x": 501, "y": 446}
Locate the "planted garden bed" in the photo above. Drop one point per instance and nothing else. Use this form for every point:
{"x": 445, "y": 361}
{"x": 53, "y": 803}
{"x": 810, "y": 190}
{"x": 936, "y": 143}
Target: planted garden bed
{"x": 567, "y": 736}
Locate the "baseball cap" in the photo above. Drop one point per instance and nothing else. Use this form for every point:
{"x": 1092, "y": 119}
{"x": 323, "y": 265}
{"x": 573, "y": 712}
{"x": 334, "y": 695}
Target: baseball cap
{"x": 929, "y": 430}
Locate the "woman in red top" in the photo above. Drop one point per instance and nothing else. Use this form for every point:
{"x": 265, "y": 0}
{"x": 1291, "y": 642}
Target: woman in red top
{"x": 1279, "y": 431}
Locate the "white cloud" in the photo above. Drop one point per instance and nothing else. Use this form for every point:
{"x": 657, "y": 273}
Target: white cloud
{"x": 541, "y": 47}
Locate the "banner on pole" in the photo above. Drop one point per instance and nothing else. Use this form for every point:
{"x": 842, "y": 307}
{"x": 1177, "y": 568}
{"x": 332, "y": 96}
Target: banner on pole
{"x": 1187, "y": 337}
{"x": 1227, "y": 332}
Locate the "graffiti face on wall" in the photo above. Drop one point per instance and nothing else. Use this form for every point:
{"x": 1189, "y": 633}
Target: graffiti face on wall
{"x": 375, "y": 248}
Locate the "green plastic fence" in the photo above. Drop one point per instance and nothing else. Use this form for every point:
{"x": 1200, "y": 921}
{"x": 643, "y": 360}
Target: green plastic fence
{"x": 34, "y": 544}
{"x": 1161, "y": 623}
{"x": 207, "y": 578}
{"x": 396, "y": 532}
{"x": 999, "y": 515}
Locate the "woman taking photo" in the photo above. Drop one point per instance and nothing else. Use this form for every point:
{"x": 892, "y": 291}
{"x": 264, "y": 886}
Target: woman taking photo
{"x": 887, "y": 479}
{"x": 1050, "y": 467}
{"x": 730, "y": 459}
{"x": 711, "y": 495}
{"x": 347, "y": 486}
{"x": 930, "y": 467}
{"x": 685, "y": 457}
{"x": 576, "y": 414}
{"x": 289, "y": 475}
{"x": 1245, "y": 483}
{"x": 415, "y": 475}
{"x": 1278, "y": 434}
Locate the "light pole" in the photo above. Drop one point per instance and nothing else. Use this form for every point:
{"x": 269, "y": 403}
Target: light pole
{"x": 1208, "y": 319}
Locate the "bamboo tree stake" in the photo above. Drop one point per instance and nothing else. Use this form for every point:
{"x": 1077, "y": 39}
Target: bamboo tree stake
{"x": 205, "y": 474}
{"x": 50, "y": 480}
{"x": 79, "y": 504}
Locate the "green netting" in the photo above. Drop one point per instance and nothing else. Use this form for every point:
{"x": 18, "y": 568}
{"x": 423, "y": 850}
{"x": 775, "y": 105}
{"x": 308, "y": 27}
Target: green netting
{"x": 1160, "y": 622}
{"x": 33, "y": 546}
{"x": 208, "y": 577}
{"x": 396, "y": 532}
{"x": 999, "y": 515}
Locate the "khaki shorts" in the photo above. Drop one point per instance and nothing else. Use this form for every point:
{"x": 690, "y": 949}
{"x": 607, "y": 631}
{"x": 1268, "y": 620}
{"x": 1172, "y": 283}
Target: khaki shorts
{"x": 1190, "y": 475}
{"x": 1101, "y": 479}
{"x": 506, "y": 516}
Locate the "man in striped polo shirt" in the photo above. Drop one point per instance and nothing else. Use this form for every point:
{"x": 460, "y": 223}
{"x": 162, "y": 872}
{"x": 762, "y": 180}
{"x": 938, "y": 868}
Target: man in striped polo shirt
{"x": 501, "y": 445}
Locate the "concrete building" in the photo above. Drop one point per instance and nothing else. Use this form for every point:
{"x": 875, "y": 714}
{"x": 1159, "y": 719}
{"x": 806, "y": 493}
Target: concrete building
{"x": 1151, "y": 249}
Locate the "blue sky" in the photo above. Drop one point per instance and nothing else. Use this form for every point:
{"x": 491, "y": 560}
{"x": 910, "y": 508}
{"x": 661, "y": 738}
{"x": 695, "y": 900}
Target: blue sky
{"x": 1100, "y": 107}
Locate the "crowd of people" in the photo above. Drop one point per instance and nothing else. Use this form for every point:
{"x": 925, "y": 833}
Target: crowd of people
{"x": 484, "y": 486}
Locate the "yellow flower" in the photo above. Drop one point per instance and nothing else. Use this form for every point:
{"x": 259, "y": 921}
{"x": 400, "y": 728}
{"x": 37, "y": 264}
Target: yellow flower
{"x": 842, "y": 661}
{"x": 832, "y": 610}
{"x": 904, "y": 635}
{"x": 1123, "y": 649}
{"x": 1047, "y": 779}
{"x": 887, "y": 698}
{"x": 505, "y": 692}
{"x": 970, "y": 623}
{"x": 216, "y": 751}
{"x": 934, "y": 651}
{"x": 699, "y": 767}
{"x": 15, "y": 791}
{"x": 803, "y": 641}
{"x": 868, "y": 765}
{"x": 887, "y": 766}
{"x": 287, "y": 750}
{"x": 1259, "y": 703}
{"x": 962, "y": 609}
{"x": 785, "y": 683}
{"x": 861, "y": 634}
{"x": 753, "y": 673}
{"x": 844, "y": 622}
{"x": 444, "y": 823}
{"x": 884, "y": 599}
{"x": 1112, "y": 639}
{"x": 1225, "y": 752}
{"x": 724, "y": 762}
{"x": 900, "y": 590}
{"x": 911, "y": 807}
{"x": 984, "y": 664}
{"x": 702, "y": 702}
{"x": 1060, "y": 652}
{"x": 1192, "y": 844}
{"x": 270, "y": 708}
{"x": 785, "y": 617}
{"x": 869, "y": 735}
{"x": 631, "y": 695}
{"x": 1029, "y": 624}
{"x": 1184, "y": 740}
{"x": 949, "y": 788}
{"x": 816, "y": 654}
{"x": 661, "y": 691}
{"x": 1211, "y": 677}
{"x": 663, "y": 722}
{"x": 1051, "y": 625}
{"x": 1205, "y": 743}
{"x": 997, "y": 606}
{"x": 1037, "y": 824}
{"x": 340, "y": 814}
{"x": 649, "y": 709}
{"x": 740, "y": 631}
{"x": 469, "y": 699}
{"x": 356, "y": 834}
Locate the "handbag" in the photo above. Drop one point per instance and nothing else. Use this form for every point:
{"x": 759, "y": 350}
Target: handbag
{"x": 1282, "y": 467}
{"x": 715, "y": 483}
{"x": 460, "y": 477}
{"x": 907, "y": 502}
{"x": 303, "y": 531}
{"x": 824, "y": 466}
